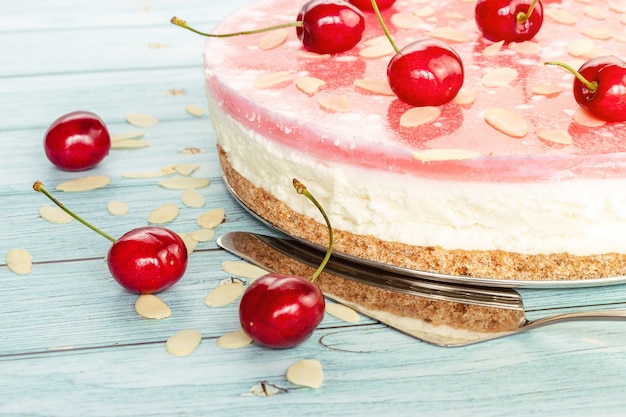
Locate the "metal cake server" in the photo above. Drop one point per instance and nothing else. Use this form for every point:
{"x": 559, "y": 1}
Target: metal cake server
{"x": 448, "y": 314}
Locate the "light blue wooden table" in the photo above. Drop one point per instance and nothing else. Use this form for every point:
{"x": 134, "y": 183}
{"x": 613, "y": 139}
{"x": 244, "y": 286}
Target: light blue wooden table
{"x": 71, "y": 343}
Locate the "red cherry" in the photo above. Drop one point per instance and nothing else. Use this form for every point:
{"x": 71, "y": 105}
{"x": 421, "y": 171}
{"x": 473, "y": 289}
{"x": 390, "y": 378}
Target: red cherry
{"x": 281, "y": 311}
{"x": 77, "y": 141}
{"x": 147, "y": 259}
{"x": 509, "y": 20}
{"x": 426, "y": 73}
{"x": 366, "y": 5}
{"x": 330, "y": 26}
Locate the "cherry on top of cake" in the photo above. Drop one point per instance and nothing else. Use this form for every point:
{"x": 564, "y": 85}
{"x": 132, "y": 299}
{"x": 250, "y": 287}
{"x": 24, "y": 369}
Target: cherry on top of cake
{"x": 500, "y": 80}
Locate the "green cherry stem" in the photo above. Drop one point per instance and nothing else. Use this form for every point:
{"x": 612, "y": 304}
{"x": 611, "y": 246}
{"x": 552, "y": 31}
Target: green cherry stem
{"x": 522, "y": 17}
{"x": 384, "y": 26}
{"x": 301, "y": 189}
{"x": 39, "y": 187}
{"x": 182, "y": 23}
{"x": 591, "y": 85}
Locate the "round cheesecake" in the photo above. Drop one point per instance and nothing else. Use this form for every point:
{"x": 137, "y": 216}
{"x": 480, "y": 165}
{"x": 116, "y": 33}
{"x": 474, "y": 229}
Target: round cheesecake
{"x": 510, "y": 180}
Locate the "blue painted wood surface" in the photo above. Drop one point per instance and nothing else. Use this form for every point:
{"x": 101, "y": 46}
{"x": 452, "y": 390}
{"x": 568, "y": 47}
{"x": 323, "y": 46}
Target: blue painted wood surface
{"x": 71, "y": 343}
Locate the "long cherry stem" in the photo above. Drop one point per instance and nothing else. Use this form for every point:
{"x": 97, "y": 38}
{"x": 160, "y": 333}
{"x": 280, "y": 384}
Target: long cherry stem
{"x": 379, "y": 16}
{"x": 39, "y": 187}
{"x": 301, "y": 189}
{"x": 182, "y": 23}
{"x": 591, "y": 85}
{"x": 522, "y": 17}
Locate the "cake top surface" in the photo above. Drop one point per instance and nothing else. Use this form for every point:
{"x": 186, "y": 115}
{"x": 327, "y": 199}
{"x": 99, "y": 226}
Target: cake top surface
{"x": 263, "y": 80}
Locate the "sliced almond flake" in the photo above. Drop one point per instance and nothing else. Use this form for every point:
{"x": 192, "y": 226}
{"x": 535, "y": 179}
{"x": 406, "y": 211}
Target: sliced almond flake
{"x": 234, "y": 340}
{"x": 129, "y": 144}
{"x": 560, "y": 16}
{"x": 169, "y": 169}
{"x": 19, "y": 261}
{"x": 203, "y": 235}
{"x": 309, "y": 85}
{"x": 306, "y": 373}
{"x": 141, "y": 120}
{"x": 273, "y": 80}
{"x": 336, "y": 103}
{"x": 406, "y": 21}
{"x": 183, "y": 343}
{"x": 144, "y": 174}
{"x": 455, "y": 16}
{"x": 599, "y": 32}
{"x": 493, "y": 49}
{"x": 192, "y": 198}
{"x": 450, "y": 34}
{"x": 150, "y": 306}
{"x": 224, "y": 294}
{"x": 186, "y": 169}
{"x": 342, "y": 312}
{"x": 620, "y": 37}
{"x": 190, "y": 243}
{"x": 499, "y": 77}
{"x": 89, "y": 183}
{"x": 525, "y": 47}
{"x": 211, "y": 218}
{"x": 596, "y": 52}
{"x": 195, "y": 110}
{"x": 376, "y": 51}
{"x": 184, "y": 183}
{"x": 164, "y": 213}
{"x": 243, "y": 269}
{"x": 617, "y": 7}
{"x": 580, "y": 47}
{"x": 135, "y": 134}
{"x": 312, "y": 55}
{"x": 54, "y": 214}
{"x": 465, "y": 96}
{"x": 594, "y": 12}
{"x": 378, "y": 40}
{"x": 418, "y": 116}
{"x": 556, "y": 135}
{"x": 546, "y": 89}
{"x": 425, "y": 11}
{"x": 273, "y": 39}
{"x": 117, "y": 208}
{"x": 507, "y": 122}
{"x": 375, "y": 86}
{"x": 445, "y": 154}
{"x": 265, "y": 389}
{"x": 584, "y": 118}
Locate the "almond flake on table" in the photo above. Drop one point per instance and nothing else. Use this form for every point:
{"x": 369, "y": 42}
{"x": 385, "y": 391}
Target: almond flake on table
{"x": 499, "y": 77}
{"x": 465, "y": 96}
{"x": 507, "y": 122}
{"x": 54, "y": 214}
{"x": 190, "y": 243}
{"x": 117, "y": 208}
{"x": 336, "y": 103}
{"x": 234, "y": 340}
{"x": 129, "y": 144}
{"x": 265, "y": 389}
{"x": 617, "y": 7}
{"x": 150, "y": 306}
{"x": 493, "y": 49}
{"x": 183, "y": 343}
{"x": 375, "y": 86}
{"x": 273, "y": 80}
{"x": 164, "y": 213}
{"x": 312, "y": 55}
{"x": 243, "y": 269}
{"x": 88, "y": 183}
{"x": 224, "y": 294}
{"x": 273, "y": 39}
{"x": 186, "y": 169}
{"x": 450, "y": 34}
{"x": 598, "y": 32}
{"x": 426, "y": 11}
{"x": 525, "y": 47}
{"x": 194, "y": 110}
{"x": 19, "y": 261}
{"x": 546, "y": 89}
{"x": 141, "y": 120}
{"x": 406, "y": 21}
{"x": 203, "y": 235}
{"x": 418, "y": 116}
{"x": 184, "y": 183}
{"x": 377, "y": 40}
{"x": 309, "y": 85}
{"x": 594, "y": 12}
{"x": 584, "y": 118}
{"x": 376, "y": 51}
{"x": 580, "y": 47}
{"x": 135, "y": 134}
{"x": 192, "y": 198}
{"x": 342, "y": 312}
{"x": 306, "y": 373}
{"x": 445, "y": 154}
{"x": 560, "y": 16}
{"x": 559, "y": 136}
{"x": 211, "y": 218}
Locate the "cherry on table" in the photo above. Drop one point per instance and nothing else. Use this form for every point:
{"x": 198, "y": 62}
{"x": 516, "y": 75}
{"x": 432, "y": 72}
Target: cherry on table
{"x": 509, "y": 20}
{"x": 77, "y": 141}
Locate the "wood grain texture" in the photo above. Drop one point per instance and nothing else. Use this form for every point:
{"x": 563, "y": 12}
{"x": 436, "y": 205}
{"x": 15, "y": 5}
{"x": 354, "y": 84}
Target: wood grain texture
{"x": 71, "y": 342}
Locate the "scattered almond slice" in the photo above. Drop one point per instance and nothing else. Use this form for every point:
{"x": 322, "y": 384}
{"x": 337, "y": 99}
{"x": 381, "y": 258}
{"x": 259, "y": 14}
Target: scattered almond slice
{"x": 580, "y": 47}
{"x": 203, "y": 235}
{"x": 525, "y": 47}
{"x": 265, "y": 389}
{"x": 234, "y": 340}
{"x": 556, "y": 135}
{"x": 445, "y": 154}
{"x": 183, "y": 343}
{"x": 141, "y": 120}
{"x": 598, "y": 32}
{"x": 507, "y": 122}
{"x": 54, "y": 214}
{"x": 426, "y": 11}
{"x": 546, "y": 89}
{"x": 224, "y": 294}
{"x": 192, "y": 150}
{"x": 376, "y": 51}
{"x": 465, "y": 96}
{"x": 117, "y": 207}
{"x": 273, "y": 80}
{"x": 560, "y": 16}
{"x": 150, "y": 306}
{"x": 190, "y": 243}
{"x": 129, "y": 144}
{"x": 618, "y": 7}
{"x": 194, "y": 110}
{"x": 418, "y": 116}
{"x": 342, "y": 312}
{"x": 406, "y": 21}
{"x": 135, "y": 134}
{"x": 184, "y": 183}
{"x": 164, "y": 213}
{"x": 211, "y": 218}
{"x": 89, "y": 183}
{"x": 584, "y": 118}
{"x": 312, "y": 55}
{"x": 186, "y": 169}
{"x": 493, "y": 49}
{"x": 19, "y": 261}
{"x": 499, "y": 77}
{"x": 450, "y": 34}
{"x": 273, "y": 39}
{"x": 306, "y": 373}
{"x": 309, "y": 85}
{"x": 243, "y": 269}
{"x": 192, "y": 198}
{"x": 594, "y": 12}
{"x": 336, "y": 103}
{"x": 596, "y": 52}
{"x": 377, "y": 40}
{"x": 375, "y": 86}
